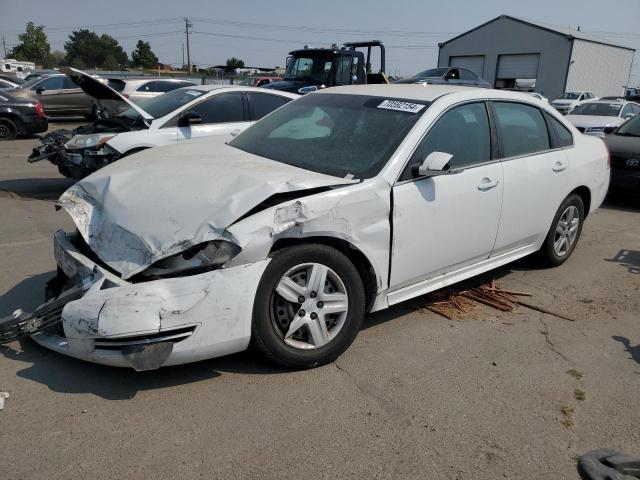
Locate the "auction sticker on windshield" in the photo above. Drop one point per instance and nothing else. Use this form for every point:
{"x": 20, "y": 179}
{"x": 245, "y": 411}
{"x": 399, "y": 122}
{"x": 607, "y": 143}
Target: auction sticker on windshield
{"x": 401, "y": 106}
{"x": 193, "y": 93}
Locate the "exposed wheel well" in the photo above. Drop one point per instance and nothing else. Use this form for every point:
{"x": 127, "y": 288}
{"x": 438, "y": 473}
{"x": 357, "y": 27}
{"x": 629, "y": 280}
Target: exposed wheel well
{"x": 359, "y": 260}
{"x": 585, "y": 194}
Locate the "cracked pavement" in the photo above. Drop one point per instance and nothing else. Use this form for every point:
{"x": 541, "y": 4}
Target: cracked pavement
{"x": 416, "y": 395}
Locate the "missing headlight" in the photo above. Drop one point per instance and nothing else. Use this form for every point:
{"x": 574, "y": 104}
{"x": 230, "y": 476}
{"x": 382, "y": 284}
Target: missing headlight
{"x": 197, "y": 259}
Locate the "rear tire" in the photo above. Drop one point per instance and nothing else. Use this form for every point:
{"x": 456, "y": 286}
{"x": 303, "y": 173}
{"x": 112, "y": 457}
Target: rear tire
{"x": 8, "y": 129}
{"x": 298, "y": 323}
{"x": 564, "y": 233}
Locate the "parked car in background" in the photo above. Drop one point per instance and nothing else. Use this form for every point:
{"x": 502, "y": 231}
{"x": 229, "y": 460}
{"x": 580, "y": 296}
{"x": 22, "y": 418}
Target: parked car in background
{"x": 259, "y": 81}
{"x": 566, "y": 102}
{"x": 447, "y": 76}
{"x": 345, "y": 201}
{"x": 59, "y": 96}
{"x": 140, "y": 89}
{"x": 216, "y": 112}
{"x": 632, "y": 94}
{"x": 19, "y": 116}
{"x": 624, "y": 148}
{"x": 601, "y": 117}
{"x": 7, "y": 84}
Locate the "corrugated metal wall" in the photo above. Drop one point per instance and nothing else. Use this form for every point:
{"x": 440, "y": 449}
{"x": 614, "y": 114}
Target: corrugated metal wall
{"x": 601, "y": 69}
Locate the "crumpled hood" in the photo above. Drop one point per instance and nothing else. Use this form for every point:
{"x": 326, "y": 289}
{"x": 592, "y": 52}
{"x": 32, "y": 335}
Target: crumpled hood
{"x": 587, "y": 121}
{"x": 164, "y": 200}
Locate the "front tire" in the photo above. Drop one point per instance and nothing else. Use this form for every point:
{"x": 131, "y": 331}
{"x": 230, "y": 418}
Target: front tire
{"x": 309, "y": 306}
{"x": 565, "y": 231}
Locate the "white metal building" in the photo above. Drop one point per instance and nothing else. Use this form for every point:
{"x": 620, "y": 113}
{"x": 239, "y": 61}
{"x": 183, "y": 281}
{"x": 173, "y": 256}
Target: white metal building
{"x": 514, "y": 53}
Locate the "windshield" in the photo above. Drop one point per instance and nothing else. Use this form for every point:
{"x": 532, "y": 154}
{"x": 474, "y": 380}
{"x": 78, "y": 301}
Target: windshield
{"x": 334, "y": 134}
{"x": 166, "y": 103}
{"x": 311, "y": 67}
{"x": 598, "y": 109}
{"x": 248, "y": 82}
{"x": 569, "y": 96}
{"x": 432, "y": 73}
{"x": 630, "y": 128}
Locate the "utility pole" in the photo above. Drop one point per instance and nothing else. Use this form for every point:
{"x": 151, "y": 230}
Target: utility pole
{"x": 182, "y": 65}
{"x": 188, "y": 24}
{"x": 4, "y": 45}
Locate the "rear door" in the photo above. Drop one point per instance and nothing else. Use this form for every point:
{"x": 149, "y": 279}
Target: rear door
{"x": 533, "y": 149}
{"x": 48, "y": 93}
{"x": 223, "y": 115}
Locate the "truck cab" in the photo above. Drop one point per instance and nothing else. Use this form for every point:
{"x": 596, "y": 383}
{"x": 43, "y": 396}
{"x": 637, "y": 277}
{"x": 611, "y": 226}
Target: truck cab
{"x": 310, "y": 69}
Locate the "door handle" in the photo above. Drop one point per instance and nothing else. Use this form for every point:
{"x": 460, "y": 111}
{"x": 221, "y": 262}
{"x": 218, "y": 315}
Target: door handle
{"x": 487, "y": 184}
{"x": 559, "y": 166}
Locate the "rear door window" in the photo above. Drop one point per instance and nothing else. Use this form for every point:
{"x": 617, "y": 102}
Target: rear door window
{"x": 522, "y": 129}
{"x": 261, "y": 104}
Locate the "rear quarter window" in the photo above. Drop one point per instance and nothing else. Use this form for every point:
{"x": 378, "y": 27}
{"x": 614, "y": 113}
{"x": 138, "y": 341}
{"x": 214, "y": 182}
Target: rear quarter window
{"x": 559, "y": 135}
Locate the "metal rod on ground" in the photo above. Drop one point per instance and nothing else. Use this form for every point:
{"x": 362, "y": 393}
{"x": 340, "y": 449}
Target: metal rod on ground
{"x": 544, "y": 310}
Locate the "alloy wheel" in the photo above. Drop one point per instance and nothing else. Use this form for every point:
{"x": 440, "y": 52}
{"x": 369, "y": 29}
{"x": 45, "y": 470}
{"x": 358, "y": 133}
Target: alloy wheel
{"x": 309, "y": 306}
{"x": 566, "y": 231}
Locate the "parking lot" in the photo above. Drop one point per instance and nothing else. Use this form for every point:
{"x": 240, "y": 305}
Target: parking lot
{"x": 496, "y": 395}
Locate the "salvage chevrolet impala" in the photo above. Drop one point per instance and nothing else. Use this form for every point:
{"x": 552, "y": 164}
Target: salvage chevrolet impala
{"x": 340, "y": 203}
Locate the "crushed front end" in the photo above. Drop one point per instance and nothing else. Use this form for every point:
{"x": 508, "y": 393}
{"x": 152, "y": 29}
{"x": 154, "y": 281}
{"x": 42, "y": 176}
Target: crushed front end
{"x": 83, "y": 150}
{"x": 95, "y": 315}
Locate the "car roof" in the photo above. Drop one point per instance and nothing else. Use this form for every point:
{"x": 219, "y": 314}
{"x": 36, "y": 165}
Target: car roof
{"x": 211, "y": 88}
{"x": 149, "y": 79}
{"x": 426, "y": 93}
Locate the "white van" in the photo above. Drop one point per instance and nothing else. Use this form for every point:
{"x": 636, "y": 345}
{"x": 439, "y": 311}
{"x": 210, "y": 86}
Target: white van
{"x": 20, "y": 68}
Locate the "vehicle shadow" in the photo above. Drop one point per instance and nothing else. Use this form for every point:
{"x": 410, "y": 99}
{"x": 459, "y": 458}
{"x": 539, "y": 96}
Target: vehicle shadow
{"x": 26, "y": 295}
{"x": 36, "y": 188}
{"x": 64, "y": 374}
{"x": 629, "y": 259}
{"x": 633, "y": 351}
{"x": 622, "y": 202}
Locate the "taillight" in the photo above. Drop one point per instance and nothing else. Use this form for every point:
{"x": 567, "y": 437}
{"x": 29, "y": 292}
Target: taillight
{"x": 39, "y": 110}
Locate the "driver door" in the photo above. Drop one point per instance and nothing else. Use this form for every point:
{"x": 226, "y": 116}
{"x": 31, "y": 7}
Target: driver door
{"x": 444, "y": 223}
{"x": 223, "y": 116}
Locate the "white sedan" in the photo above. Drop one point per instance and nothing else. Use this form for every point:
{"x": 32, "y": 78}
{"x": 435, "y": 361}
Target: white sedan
{"x": 344, "y": 202}
{"x": 602, "y": 117}
{"x": 217, "y": 112}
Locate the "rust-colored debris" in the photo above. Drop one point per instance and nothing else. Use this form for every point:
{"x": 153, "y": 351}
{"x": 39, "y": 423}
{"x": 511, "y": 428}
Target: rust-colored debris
{"x": 455, "y": 305}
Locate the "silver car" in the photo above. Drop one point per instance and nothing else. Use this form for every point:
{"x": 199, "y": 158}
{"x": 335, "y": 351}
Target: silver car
{"x": 140, "y": 89}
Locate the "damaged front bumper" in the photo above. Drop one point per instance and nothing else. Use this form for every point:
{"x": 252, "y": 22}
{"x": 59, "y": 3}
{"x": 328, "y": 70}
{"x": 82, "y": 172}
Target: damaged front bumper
{"x": 75, "y": 164}
{"x": 151, "y": 324}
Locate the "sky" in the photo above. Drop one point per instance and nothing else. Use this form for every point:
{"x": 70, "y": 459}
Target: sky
{"x": 262, "y": 32}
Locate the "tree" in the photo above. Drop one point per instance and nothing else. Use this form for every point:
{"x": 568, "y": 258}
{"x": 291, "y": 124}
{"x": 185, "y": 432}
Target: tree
{"x": 34, "y": 45}
{"x": 86, "y": 49}
{"x": 143, "y": 55}
{"x": 54, "y": 59}
{"x": 234, "y": 63}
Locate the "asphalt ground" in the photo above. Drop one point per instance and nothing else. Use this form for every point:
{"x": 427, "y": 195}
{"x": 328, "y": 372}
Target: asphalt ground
{"x": 496, "y": 395}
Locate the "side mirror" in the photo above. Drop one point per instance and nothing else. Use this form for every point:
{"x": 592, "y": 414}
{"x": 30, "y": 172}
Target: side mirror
{"x": 39, "y": 90}
{"x": 436, "y": 163}
{"x": 189, "y": 118}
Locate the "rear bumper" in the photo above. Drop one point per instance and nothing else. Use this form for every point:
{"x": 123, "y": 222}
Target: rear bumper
{"x": 156, "y": 323}
{"x": 35, "y": 125}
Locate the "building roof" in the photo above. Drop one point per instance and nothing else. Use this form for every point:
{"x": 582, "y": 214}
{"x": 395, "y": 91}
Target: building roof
{"x": 564, "y": 31}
